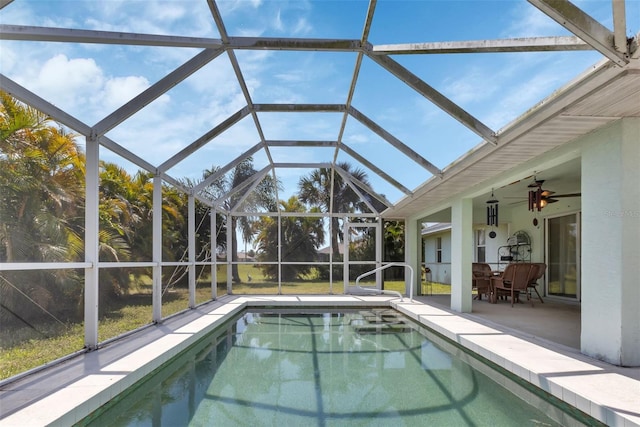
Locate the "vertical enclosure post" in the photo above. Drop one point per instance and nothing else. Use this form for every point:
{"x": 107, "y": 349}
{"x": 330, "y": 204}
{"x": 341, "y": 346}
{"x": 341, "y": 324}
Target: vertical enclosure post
{"x": 157, "y": 248}
{"x": 191, "y": 231}
{"x": 91, "y": 242}
{"x": 229, "y": 255}
{"x": 214, "y": 257}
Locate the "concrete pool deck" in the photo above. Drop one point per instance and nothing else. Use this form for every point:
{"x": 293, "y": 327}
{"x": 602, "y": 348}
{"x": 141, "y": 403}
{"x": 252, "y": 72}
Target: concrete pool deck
{"x": 68, "y": 392}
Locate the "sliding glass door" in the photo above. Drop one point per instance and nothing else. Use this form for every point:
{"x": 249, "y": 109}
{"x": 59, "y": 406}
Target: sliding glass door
{"x": 563, "y": 256}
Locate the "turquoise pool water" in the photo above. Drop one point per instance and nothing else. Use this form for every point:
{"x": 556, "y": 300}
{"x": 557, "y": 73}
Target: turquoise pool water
{"x": 362, "y": 368}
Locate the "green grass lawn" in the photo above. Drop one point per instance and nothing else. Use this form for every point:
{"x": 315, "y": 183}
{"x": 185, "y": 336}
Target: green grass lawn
{"x": 135, "y": 310}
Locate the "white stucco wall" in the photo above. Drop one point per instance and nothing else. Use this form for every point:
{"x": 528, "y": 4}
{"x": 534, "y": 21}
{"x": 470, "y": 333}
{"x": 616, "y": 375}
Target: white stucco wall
{"x": 611, "y": 244}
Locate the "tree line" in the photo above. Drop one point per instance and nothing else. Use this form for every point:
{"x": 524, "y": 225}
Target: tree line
{"x": 42, "y": 196}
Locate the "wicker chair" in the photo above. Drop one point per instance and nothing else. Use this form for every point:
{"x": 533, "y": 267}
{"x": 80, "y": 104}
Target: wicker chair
{"x": 481, "y": 281}
{"x": 514, "y": 280}
{"x": 540, "y": 268}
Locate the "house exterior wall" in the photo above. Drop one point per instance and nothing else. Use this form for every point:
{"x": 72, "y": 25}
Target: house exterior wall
{"x": 491, "y": 244}
{"x": 440, "y": 271}
{"x": 611, "y": 244}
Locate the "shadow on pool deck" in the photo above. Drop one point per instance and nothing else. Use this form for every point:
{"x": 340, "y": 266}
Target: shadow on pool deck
{"x": 552, "y": 321}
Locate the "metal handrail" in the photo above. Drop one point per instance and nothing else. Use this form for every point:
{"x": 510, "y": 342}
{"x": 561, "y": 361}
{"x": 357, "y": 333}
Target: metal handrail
{"x": 382, "y": 291}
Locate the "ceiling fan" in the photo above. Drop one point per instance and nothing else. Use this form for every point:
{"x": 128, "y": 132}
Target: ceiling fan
{"x": 539, "y": 197}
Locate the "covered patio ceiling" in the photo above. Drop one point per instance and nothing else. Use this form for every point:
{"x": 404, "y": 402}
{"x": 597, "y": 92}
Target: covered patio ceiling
{"x": 283, "y": 131}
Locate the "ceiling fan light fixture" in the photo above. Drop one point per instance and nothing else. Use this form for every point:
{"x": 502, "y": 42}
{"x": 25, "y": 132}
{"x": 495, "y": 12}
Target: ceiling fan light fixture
{"x": 536, "y": 200}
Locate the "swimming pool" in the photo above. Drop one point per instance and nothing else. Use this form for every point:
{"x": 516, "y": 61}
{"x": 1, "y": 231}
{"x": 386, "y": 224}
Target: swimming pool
{"x": 349, "y": 367}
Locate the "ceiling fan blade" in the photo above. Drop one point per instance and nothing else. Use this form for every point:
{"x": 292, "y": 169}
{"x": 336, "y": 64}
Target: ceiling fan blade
{"x": 549, "y": 200}
{"x": 568, "y": 195}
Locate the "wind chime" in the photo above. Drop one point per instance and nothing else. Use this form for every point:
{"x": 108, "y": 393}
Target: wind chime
{"x": 492, "y": 210}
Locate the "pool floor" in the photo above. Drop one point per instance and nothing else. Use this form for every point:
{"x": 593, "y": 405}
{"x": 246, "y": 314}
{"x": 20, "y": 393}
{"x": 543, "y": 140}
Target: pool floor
{"x": 365, "y": 367}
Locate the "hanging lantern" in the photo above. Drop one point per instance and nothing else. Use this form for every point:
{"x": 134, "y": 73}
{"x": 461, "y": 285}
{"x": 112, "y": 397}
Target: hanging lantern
{"x": 492, "y": 210}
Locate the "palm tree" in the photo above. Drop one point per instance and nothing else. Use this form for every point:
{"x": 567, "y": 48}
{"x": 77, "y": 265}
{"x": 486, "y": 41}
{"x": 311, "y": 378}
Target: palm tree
{"x": 263, "y": 196}
{"x": 301, "y": 239}
{"x": 41, "y": 206}
{"x": 315, "y": 190}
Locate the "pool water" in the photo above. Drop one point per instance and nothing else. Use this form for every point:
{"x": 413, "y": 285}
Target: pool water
{"x": 364, "y": 368}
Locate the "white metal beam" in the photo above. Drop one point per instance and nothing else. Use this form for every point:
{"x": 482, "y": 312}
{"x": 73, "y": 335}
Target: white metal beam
{"x": 232, "y": 164}
{"x": 198, "y": 143}
{"x": 126, "y": 154}
{"x": 584, "y": 26}
{"x": 300, "y": 108}
{"x": 366, "y": 187}
{"x": 246, "y": 194}
{"x": 300, "y": 143}
{"x": 356, "y": 73}
{"x": 522, "y": 44}
{"x": 444, "y": 103}
{"x": 217, "y": 17}
{"x": 348, "y": 179}
{"x": 268, "y": 43}
{"x": 303, "y": 165}
{"x": 619, "y": 26}
{"x": 394, "y": 141}
{"x": 66, "y": 35}
{"x": 30, "y": 98}
{"x": 155, "y": 91}
{"x": 257, "y": 176}
{"x": 374, "y": 168}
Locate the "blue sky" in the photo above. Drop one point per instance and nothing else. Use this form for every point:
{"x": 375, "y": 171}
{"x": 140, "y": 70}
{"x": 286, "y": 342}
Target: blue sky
{"x": 89, "y": 81}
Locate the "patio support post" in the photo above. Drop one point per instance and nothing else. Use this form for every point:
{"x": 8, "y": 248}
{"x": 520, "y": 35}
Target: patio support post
{"x": 156, "y": 241}
{"x": 412, "y": 254}
{"x": 610, "y": 319}
{"x": 191, "y": 230}
{"x": 461, "y": 254}
{"x": 91, "y": 243}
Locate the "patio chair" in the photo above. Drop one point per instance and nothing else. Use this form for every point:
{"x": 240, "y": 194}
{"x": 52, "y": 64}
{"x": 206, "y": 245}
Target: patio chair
{"x": 539, "y": 270}
{"x": 481, "y": 281}
{"x": 513, "y": 281}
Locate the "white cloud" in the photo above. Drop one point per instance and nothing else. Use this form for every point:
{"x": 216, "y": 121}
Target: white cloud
{"x": 70, "y": 82}
{"x": 119, "y": 90}
{"x": 357, "y": 138}
{"x": 474, "y": 86}
{"x": 277, "y": 21}
{"x": 528, "y": 21}
{"x": 302, "y": 26}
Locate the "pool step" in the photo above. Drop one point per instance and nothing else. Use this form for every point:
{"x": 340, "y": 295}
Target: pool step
{"x": 379, "y": 322}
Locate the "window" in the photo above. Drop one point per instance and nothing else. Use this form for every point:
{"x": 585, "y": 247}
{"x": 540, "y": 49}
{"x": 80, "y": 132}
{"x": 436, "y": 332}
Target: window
{"x": 438, "y": 249}
{"x": 480, "y": 246}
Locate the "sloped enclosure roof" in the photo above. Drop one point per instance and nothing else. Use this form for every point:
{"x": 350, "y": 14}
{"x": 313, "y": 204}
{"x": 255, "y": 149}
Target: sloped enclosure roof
{"x": 417, "y": 94}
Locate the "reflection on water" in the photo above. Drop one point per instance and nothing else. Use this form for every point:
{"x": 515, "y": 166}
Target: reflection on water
{"x": 366, "y": 367}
